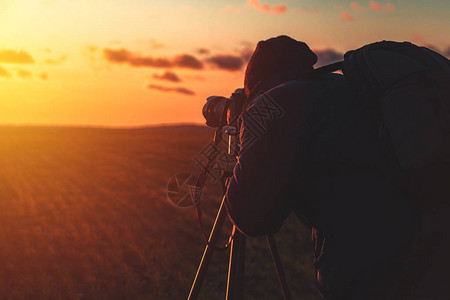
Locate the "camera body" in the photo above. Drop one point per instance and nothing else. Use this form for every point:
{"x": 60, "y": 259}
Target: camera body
{"x": 221, "y": 111}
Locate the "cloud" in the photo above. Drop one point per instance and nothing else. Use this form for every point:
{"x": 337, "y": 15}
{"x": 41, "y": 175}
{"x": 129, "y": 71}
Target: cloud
{"x": 247, "y": 44}
{"x": 390, "y": 6}
{"x": 308, "y": 10}
{"x": 279, "y": 9}
{"x": 15, "y": 57}
{"x": 146, "y": 61}
{"x": 261, "y": 7}
{"x": 418, "y": 38}
{"x": 203, "y": 51}
{"x": 346, "y": 16}
{"x": 117, "y": 56}
{"x": 121, "y": 56}
{"x": 246, "y": 54}
{"x": 328, "y": 56}
{"x": 356, "y": 6}
{"x": 226, "y": 62}
{"x": 375, "y": 5}
{"x": 168, "y": 76}
{"x": 56, "y": 61}
{"x": 125, "y": 56}
{"x": 24, "y": 74}
{"x": 187, "y": 61}
{"x": 180, "y": 90}
{"x": 276, "y": 9}
{"x": 4, "y": 73}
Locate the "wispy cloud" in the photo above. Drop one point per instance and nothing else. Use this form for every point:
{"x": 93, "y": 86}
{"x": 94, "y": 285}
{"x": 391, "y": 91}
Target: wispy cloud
{"x": 123, "y": 56}
{"x": 43, "y": 76}
{"x": 56, "y": 61}
{"x": 356, "y": 6}
{"x": 346, "y": 16}
{"x": 246, "y": 53}
{"x": 24, "y": 74}
{"x": 222, "y": 61}
{"x": 390, "y": 6}
{"x": 167, "y": 76}
{"x": 180, "y": 90}
{"x": 418, "y": 38}
{"x": 375, "y": 5}
{"x": 267, "y": 8}
{"x": 227, "y": 62}
{"x": 4, "y": 73}
{"x": 187, "y": 61}
{"x": 279, "y": 9}
{"x": 203, "y": 51}
{"x": 16, "y": 57}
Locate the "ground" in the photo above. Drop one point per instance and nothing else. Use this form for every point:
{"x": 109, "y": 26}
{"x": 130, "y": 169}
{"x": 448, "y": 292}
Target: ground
{"x": 84, "y": 214}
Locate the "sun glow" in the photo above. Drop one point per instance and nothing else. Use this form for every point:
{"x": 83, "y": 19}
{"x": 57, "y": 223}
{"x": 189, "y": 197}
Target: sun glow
{"x": 54, "y": 67}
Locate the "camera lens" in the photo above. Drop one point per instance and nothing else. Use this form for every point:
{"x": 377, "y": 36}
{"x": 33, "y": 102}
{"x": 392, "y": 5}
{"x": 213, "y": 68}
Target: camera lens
{"x": 213, "y": 110}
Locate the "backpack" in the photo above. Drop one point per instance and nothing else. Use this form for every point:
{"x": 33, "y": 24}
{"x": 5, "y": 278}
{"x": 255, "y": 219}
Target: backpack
{"x": 407, "y": 88}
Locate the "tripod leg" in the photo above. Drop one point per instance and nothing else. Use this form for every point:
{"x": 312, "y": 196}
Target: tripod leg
{"x": 278, "y": 266}
{"x": 235, "y": 286}
{"x": 207, "y": 254}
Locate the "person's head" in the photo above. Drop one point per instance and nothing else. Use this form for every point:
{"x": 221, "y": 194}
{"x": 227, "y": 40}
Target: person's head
{"x": 273, "y": 58}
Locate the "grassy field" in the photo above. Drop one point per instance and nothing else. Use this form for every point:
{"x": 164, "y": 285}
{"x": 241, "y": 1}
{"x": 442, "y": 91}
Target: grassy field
{"x": 84, "y": 214}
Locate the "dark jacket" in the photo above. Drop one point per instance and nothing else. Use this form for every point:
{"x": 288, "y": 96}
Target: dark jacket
{"x": 309, "y": 147}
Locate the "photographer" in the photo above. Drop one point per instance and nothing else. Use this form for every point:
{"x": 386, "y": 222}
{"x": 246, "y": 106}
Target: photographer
{"x": 309, "y": 147}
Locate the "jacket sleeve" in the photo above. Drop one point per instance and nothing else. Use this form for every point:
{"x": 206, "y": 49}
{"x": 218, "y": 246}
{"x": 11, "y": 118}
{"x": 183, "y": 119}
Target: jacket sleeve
{"x": 259, "y": 195}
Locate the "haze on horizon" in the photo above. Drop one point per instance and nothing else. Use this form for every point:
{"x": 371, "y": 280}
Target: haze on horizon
{"x": 135, "y": 62}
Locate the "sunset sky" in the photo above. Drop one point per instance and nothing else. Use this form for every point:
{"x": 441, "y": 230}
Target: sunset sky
{"x": 144, "y": 62}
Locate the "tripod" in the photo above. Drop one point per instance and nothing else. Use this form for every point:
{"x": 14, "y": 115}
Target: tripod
{"x": 235, "y": 285}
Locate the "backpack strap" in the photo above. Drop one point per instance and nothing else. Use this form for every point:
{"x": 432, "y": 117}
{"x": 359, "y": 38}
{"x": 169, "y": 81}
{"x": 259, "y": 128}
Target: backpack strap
{"x": 329, "y": 68}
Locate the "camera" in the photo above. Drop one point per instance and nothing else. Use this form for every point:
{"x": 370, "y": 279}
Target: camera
{"x": 220, "y": 111}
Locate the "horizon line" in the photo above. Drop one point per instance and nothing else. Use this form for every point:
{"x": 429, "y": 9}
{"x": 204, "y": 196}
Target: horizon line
{"x": 100, "y": 126}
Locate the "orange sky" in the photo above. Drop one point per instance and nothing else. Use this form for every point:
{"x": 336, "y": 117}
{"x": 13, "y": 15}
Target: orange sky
{"x": 136, "y": 62}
